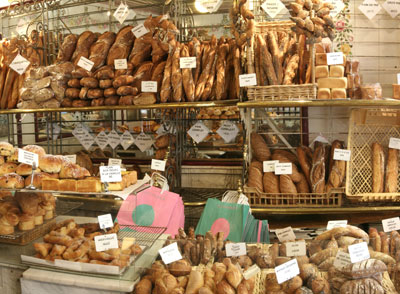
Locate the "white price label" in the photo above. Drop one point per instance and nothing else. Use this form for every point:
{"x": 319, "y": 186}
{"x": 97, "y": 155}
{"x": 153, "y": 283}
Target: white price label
{"x": 56, "y": 131}
{"x": 149, "y": 86}
{"x": 285, "y": 234}
{"x": 170, "y": 253}
{"x": 284, "y": 168}
{"x": 336, "y": 224}
{"x": 341, "y": 154}
{"x": 105, "y": 242}
{"x": 102, "y": 140}
{"x": 121, "y": 13}
{"x": 187, "y": 62}
{"x": 394, "y": 143}
{"x": 71, "y": 158}
{"x": 79, "y": 132}
{"x": 114, "y": 139}
{"x": 198, "y": 132}
{"x": 211, "y": 5}
{"x": 358, "y": 252}
{"x": 247, "y": 80}
{"x": 269, "y": 165}
{"x": 338, "y": 7}
{"x": 143, "y": 142}
{"x": 28, "y": 157}
{"x": 87, "y": 141}
{"x": 105, "y": 221}
{"x": 120, "y": 64}
{"x": 296, "y": 248}
{"x": 370, "y": 8}
{"x": 342, "y": 259}
{"x": 85, "y": 63}
{"x": 392, "y": 7}
{"x": 272, "y": 7}
{"x": 228, "y": 131}
{"x": 335, "y": 58}
{"x": 235, "y": 249}
{"x": 110, "y": 174}
{"x": 114, "y": 161}
{"x": 158, "y": 164}
{"x": 391, "y": 224}
{"x": 126, "y": 140}
{"x": 251, "y": 271}
{"x": 398, "y": 78}
{"x": 19, "y": 64}
{"x": 287, "y": 271}
{"x": 139, "y": 31}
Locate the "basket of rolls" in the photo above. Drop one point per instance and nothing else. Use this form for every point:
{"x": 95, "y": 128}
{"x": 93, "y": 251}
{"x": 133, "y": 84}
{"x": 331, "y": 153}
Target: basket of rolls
{"x": 314, "y": 179}
{"x": 372, "y": 173}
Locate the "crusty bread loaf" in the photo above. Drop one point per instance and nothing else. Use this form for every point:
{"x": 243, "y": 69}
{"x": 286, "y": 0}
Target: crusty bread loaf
{"x": 255, "y": 178}
{"x": 392, "y": 171}
{"x": 378, "y": 168}
{"x": 317, "y": 174}
{"x": 100, "y": 49}
{"x": 362, "y": 286}
{"x": 337, "y": 168}
{"x": 286, "y": 185}
{"x": 271, "y": 183}
{"x": 302, "y": 186}
{"x": 295, "y": 176}
{"x": 259, "y": 148}
{"x": 305, "y": 161}
{"x": 122, "y": 45}
{"x": 67, "y": 48}
{"x": 85, "y": 41}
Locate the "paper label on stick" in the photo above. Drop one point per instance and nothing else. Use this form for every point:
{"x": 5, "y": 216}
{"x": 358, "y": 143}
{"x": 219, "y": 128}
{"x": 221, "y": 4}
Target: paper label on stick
{"x": 102, "y": 140}
{"x": 251, "y": 271}
{"x": 235, "y": 249}
{"x": 198, "y": 132}
{"x": 398, "y": 78}
{"x": 121, "y": 13}
{"x": 247, "y": 80}
{"x": 187, "y": 62}
{"x": 284, "y": 168}
{"x": 28, "y": 157}
{"x": 126, "y": 140}
{"x": 287, "y": 271}
{"x": 296, "y": 248}
{"x": 359, "y": 252}
{"x": 114, "y": 161}
{"x": 391, "y": 224}
{"x": 269, "y": 165}
{"x": 342, "y": 259}
{"x": 19, "y": 64}
{"x": 394, "y": 143}
{"x": 285, "y": 234}
{"x": 335, "y": 58}
{"x": 158, "y": 164}
{"x": 272, "y": 7}
{"x": 170, "y": 253}
{"x": 338, "y": 7}
{"x": 120, "y": 64}
{"x": 85, "y": 63}
{"x": 228, "y": 131}
{"x": 105, "y": 221}
{"x": 105, "y": 242}
{"x": 370, "y": 8}
{"x": 143, "y": 142}
{"x": 110, "y": 174}
{"x": 149, "y": 86}
{"x": 139, "y": 31}
{"x": 114, "y": 139}
{"x": 71, "y": 158}
{"x": 336, "y": 224}
{"x": 341, "y": 154}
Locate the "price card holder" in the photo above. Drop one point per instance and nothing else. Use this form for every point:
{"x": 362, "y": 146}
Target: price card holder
{"x": 187, "y": 62}
{"x": 120, "y": 64}
{"x": 114, "y": 161}
{"x": 336, "y": 224}
{"x": 391, "y": 224}
{"x": 251, "y": 272}
{"x": 114, "y": 139}
{"x": 247, "y": 80}
{"x": 341, "y": 154}
{"x": 285, "y": 234}
{"x": 110, "y": 174}
{"x": 170, "y": 253}
{"x": 105, "y": 221}
{"x": 85, "y": 63}
{"x": 359, "y": 252}
{"x": 105, "y": 242}
{"x": 394, "y": 143}
{"x": 296, "y": 248}
{"x": 140, "y": 31}
{"x": 284, "y": 168}
{"x": 235, "y": 249}
{"x": 143, "y": 142}
{"x": 269, "y": 165}
{"x": 158, "y": 164}
{"x": 149, "y": 86}
{"x": 370, "y": 8}
{"x": 335, "y": 58}
{"x": 28, "y": 157}
{"x": 342, "y": 259}
{"x": 287, "y": 271}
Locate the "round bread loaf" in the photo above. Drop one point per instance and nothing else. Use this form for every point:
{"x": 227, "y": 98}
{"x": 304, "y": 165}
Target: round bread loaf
{"x": 6, "y": 149}
{"x": 24, "y": 169}
{"x": 12, "y": 181}
{"x": 13, "y": 157}
{"x": 35, "y": 149}
{"x": 259, "y": 148}
{"x": 51, "y": 163}
{"x": 8, "y": 167}
{"x": 71, "y": 170}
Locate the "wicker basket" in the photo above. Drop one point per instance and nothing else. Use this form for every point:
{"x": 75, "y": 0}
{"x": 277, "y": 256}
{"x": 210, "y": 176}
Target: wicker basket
{"x": 279, "y": 26}
{"x": 258, "y": 199}
{"x": 366, "y": 127}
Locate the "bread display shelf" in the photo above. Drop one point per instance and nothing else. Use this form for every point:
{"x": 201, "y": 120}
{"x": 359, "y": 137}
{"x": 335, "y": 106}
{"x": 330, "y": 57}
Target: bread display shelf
{"x": 321, "y": 103}
{"x": 282, "y": 92}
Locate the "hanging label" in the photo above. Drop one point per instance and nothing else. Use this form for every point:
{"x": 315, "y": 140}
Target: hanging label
{"x": 139, "y": 31}
{"x": 114, "y": 139}
{"x": 105, "y": 242}
{"x": 114, "y": 161}
{"x": 120, "y": 64}
{"x": 143, "y": 142}
{"x": 296, "y": 248}
{"x": 269, "y": 165}
{"x": 391, "y": 224}
{"x": 126, "y": 140}
{"x": 85, "y": 63}
{"x": 105, "y": 221}
{"x": 284, "y": 168}
{"x": 394, "y": 143}
{"x": 358, "y": 252}
{"x": 56, "y": 131}
{"x": 170, "y": 253}
{"x": 19, "y": 64}
{"x": 149, "y": 86}
{"x": 341, "y": 154}
{"x": 398, "y": 78}
{"x": 228, "y": 131}
{"x": 272, "y": 7}
{"x": 87, "y": 141}
{"x": 338, "y": 7}
{"x": 198, "y": 132}
{"x": 285, "y": 234}
{"x": 158, "y": 164}
{"x": 110, "y": 174}
{"x": 210, "y": 6}
{"x": 28, "y": 157}
{"x": 187, "y": 62}
{"x": 235, "y": 249}
{"x": 342, "y": 259}
{"x": 287, "y": 271}
{"x": 71, "y": 158}
{"x": 336, "y": 224}
{"x": 251, "y": 271}
{"x": 335, "y": 58}
{"x": 247, "y": 80}
{"x": 102, "y": 140}
{"x": 121, "y": 13}
{"x": 370, "y": 8}
{"x": 392, "y": 7}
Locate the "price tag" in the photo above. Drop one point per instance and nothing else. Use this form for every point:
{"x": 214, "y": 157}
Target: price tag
{"x": 110, "y": 174}
{"x": 126, "y": 140}
{"x": 149, "y": 86}
{"x": 342, "y": 259}
{"x": 272, "y": 7}
{"x": 139, "y": 31}
{"x": 143, "y": 142}
{"x": 198, "y": 132}
{"x": 398, "y": 78}
{"x": 370, "y": 8}
{"x": 287, "y": 271}
{"x": 210, "y": 6}
{"x": 121, "y": 13}
{"x": 187, "y": 62}
{"x": 284, "y": 168}
{"x": 71, "y": 158}
{"x": 336, "y": 224}
{"x": 114, "y": 139}
{"x": 56, "y": 131}
{"x": 28, "y": 157}
{"x": 102, "y": 140}
{"x": 296, "y": 248}
{"x": 114, "y": 161}
{"x": 341, "y": 154}
{"x": 285, "y": 234}
{"x": 127, "y": 242}
{"x": 394, "y": 143}
{"x": 105, "y": 242}
{"x": 338, "y": 7}
{"x": 158, "y": 164}
{"x": 87, "y": 141}
{"x": 269, "y": 165}
{"x": 358, "y": 252}
{"x": 335, "y": 58}
{"x": 247, "y": 80}
{"x": 228, "y": 131}
{"x": 105, "y": 221}
{"x": 19, "y": 64}
{"x": 120, "y": 64}
{"x": 251, "y": 271}
{"x": 170, "y": 253}
{"x": 391, "y": 224}
{"x": 392, "y": 7}
{"x": 85, "y": 63}
{"x": 235, "y": 249}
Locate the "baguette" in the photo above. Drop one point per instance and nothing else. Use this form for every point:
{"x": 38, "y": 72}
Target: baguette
{"x": 237, "y": 72}
{"x": 302, "y": 65}
{"x": 337, "y": 168}
{"x": 305, "y": 162}
{"x": 13, "y": 97}
{"x": 165, "y": 91}
{"x": 187, "y": 78}
{"x": 197, "y": 52}
{"x": 176, "y": 76}
{"x": 392, "y": 171}
{"x": 11, "y": 76}
{"x": 266, "y": 61}
{"x": 158, "y": 74}
{"x": 378, "y": 168}
{"x": 220, "y": 68}
{"x": 317, "y": 174}
{"x": 291, "y": 69}
{"x": 274, "y": 49}
{"x": 210, "y": 80}
{"x": 201, "y": 83}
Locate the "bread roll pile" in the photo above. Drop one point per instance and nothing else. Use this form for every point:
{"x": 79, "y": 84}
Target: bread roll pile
{"x": 73, "y": 242}
{"x": 229, "y": 112}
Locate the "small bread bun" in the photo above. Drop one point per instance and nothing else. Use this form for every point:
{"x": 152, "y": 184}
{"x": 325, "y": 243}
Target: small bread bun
{"x": 71, "y": 170}
{"x": 12, "y": 181}
{"x": 7, "y": 168}
{"x": 6, "y": 230}
{"x": 6, "y": 149}
{"x": 26, "y": 222}
{"x": 24, "y": 169}
{"x": 49, "y": 214}
{"x": 35, "y": 149}
{"x": 13, "y": 157}
{"x": 51, "y": 163}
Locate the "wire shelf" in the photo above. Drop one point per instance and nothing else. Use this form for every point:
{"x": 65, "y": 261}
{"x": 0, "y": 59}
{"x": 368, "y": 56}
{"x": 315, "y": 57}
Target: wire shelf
{"x": 145, "y": 236}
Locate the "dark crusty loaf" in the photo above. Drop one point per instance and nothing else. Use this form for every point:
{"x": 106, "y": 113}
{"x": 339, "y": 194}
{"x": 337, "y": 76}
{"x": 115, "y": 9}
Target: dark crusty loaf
{"x": 85, "y": 41}
{"x": 259, "y": 148}
{"x": 99, "y": 50}
{"x": 362, "y": 286}
{"x": 122, "y": 45}
{"x": 67, "y": 48}
{"x": 317, "y": 174}
{"x": 378, "y": 168}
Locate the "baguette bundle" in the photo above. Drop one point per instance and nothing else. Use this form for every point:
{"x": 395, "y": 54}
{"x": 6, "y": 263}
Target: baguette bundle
{"x": 384, "y": 169}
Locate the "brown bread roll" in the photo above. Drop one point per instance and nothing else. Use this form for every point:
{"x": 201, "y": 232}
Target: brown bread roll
{"x": 392, "y": 171}
{"x": 362, "y": 286}
{"x": 126, "y": 100}
{"x": 110, "y": 92}
{"x": 72, "y": 93}
{"x": 83, "y": 93}
{"x": 124, "y": 80}
{"x": 80, "y": 103}
{"x": 145, "y": 99}
{"x": 94, "y": 93}
{"x": 97, "y": 102}
{"x": 112, "y": 100}
{"x": 74, "y": 83}
{"x": 104, "y": 73}
{"x": 89, "y": 82}
{"x": 378, "y": 168}
{"x": 105, "y": 84}
{"x": 67, "y": 102}
{"x": 302, "y": 186}
{"x": 127, "y": 90}
{"x": 259, "y": 148}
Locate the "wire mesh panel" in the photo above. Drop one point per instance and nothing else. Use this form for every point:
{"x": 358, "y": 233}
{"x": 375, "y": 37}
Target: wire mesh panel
{"x": 145, "y": 236}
